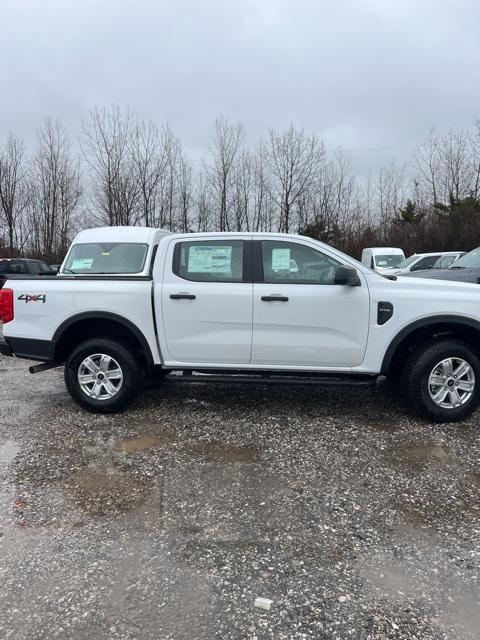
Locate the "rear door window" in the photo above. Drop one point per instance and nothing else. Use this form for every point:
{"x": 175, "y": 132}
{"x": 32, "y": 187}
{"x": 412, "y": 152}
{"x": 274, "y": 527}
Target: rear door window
{"x": 444, "y": 262}
{"x": 210, "y": 260}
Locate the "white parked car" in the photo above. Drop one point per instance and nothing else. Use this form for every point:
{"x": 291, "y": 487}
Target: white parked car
{"x": 424, "y": 261}
{"x": 381, "y": 258}
{"x": 134, "y": 302}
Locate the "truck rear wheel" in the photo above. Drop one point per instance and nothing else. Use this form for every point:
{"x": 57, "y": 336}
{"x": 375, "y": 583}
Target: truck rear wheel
{"x": 103, "y": 375}
{"x": 442, "y": 380}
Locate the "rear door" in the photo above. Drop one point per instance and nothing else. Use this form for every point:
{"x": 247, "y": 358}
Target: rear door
{"x": 300, "y": 317}
{"x": 445, "y": 261}
{"x": 206, "y": 300}
{"x": 425, "y": 263}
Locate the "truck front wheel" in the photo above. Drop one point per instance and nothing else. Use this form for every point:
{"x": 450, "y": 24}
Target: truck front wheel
{"x": 442, "y": 380}
{"x": 103, "y": 375}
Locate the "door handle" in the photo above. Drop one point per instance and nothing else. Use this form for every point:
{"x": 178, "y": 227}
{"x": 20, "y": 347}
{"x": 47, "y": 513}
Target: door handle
{"x": 274, "y": 298}
{"x": 182, "y": 296}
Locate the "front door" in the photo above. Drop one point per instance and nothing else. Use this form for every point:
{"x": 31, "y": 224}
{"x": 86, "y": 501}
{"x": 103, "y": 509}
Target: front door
{"x": 206, "y": 301}
{"x": 300, "y": 317}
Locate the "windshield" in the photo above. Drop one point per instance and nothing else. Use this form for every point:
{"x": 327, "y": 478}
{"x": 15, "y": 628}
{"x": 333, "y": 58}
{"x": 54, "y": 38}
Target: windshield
{"x": 390, "y": 260}
{"x": 407, "y": 261}
{"x": 469, "y": 260}
{"x": 105, "y": 258}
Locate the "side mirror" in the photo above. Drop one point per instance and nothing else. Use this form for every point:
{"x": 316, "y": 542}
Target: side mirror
{"x": 346, "y": 276}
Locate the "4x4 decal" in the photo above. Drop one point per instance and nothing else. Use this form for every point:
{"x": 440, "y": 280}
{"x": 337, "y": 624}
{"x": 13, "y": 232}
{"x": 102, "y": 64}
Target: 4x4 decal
{"x": 27, "y": 297}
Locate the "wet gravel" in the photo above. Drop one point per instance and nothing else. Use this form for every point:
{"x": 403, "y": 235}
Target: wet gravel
{"x": 355, "y": 518}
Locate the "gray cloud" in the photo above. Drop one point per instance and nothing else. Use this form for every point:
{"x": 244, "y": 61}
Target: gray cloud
{"x": 360, "y": 73}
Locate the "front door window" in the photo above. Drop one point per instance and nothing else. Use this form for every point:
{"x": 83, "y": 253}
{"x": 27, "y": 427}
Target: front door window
{"x": 292, "y": 263}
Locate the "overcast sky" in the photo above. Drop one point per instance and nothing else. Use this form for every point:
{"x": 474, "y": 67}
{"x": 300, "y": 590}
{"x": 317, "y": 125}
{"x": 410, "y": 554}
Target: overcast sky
{"x": 359, "y": 73}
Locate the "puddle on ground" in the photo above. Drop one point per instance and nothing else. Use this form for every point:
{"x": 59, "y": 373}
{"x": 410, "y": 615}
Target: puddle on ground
{"x": 413, "y": 514}
{"x": 101, "y": 491}
{"x": 143, "y": 442}
{"x": 426, "y": 453}
{"x": 8, "y": 451}
{"x": 474, "y": 479}
{"x": 215, "y": 452}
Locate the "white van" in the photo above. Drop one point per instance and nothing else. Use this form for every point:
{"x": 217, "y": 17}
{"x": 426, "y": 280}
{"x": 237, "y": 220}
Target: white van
{"x": 380, "y": 258}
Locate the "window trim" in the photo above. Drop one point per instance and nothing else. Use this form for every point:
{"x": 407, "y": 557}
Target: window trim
{"x": 258, "y": 272}
{"x": 247, "y": 271}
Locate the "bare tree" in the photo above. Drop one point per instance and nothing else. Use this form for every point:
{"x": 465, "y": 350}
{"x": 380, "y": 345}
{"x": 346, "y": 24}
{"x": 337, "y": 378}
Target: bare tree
{"x": 331, "y": 202}
{"x": 14, "y": 192}
{"x": 220, "y": 172}
{"x": 427, "y": 164}
{"x": 169, "y": 209}
{"x": 263, "y": 204}
{"x": 389, "y": 196}
{"x": 107, "y": 145}
{"x": 456, "y": 163}
{"x": 293, "y": 158}
{"x": 242, "y": 196}
{"x": 150, "y": 161}
{"x": 203, "y": 204}
{"x": 475, "y": 151}
{"x": 56, "y": 191}
{"x": 185, "y": 189}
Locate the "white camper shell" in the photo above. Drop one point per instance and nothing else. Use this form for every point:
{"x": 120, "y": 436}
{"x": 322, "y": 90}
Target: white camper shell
{"x": 114, "y": 251}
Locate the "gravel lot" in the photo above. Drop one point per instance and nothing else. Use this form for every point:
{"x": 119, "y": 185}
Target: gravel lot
{"x": 357, "y": 519}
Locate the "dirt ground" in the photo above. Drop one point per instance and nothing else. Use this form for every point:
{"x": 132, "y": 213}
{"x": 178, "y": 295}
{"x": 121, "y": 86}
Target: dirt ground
{"x": 355, "y": 518}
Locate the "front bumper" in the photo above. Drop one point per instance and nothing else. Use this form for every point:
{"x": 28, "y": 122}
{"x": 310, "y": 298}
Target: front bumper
{"x": 5, "y": 348}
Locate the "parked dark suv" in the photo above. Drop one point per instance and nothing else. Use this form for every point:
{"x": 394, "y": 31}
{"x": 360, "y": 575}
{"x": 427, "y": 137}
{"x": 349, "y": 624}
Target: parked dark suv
{"x": 24, "y": 266}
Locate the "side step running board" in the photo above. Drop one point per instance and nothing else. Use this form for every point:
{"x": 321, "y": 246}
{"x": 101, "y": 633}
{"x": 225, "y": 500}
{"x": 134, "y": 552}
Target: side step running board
{"x": 359, "y": 381}
{"x": 44, "y": 366}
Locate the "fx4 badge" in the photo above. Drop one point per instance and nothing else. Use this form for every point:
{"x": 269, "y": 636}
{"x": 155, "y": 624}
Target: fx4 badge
{"x": 33, "y": 298}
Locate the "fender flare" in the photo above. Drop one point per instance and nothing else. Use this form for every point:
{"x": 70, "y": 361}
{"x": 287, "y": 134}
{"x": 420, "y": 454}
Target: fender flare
{"x": 418, "y": 324}
{"x": 104, "y": 315}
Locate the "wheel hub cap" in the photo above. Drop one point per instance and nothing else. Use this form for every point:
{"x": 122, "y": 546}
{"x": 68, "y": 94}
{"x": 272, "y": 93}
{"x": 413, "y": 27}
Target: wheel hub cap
{"x": 100, "y": 376}
{"x": 451, "y": 383}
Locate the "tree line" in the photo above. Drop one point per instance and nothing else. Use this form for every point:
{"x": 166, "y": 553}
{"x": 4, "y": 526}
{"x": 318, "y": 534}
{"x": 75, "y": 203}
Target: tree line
{"x": 122, "y": 170}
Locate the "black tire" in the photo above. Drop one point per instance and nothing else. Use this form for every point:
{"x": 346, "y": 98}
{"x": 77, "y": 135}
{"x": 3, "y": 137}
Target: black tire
{"x": 418, "y": 369}
{"x": 128, "y": 362}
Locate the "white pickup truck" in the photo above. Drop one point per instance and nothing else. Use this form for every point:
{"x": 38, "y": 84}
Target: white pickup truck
{"x": 132, "y": 302}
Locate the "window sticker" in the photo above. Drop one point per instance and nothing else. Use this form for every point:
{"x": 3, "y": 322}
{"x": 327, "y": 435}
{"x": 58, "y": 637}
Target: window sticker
{"x": 204, "y": 259}
{"x": 83, "y": 263}
{"x": 281, "y": 260}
